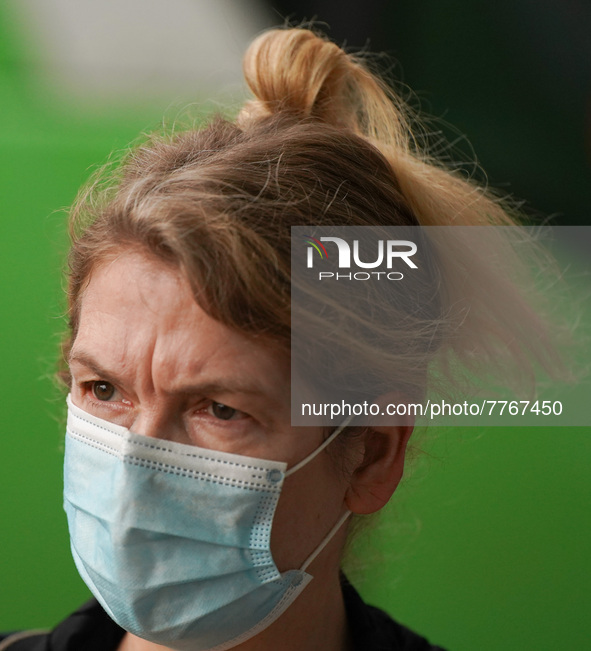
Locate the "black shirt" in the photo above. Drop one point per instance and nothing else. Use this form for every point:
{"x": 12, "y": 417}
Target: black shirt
{"x": 91, "y": 629}
{"x": 374, "y": 630}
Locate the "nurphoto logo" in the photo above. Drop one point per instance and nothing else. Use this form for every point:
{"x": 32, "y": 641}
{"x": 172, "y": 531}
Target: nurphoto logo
{"x": 387, "y": 252}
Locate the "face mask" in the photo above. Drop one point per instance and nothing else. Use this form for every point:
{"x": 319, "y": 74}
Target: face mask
{"x": 174, "y": 540}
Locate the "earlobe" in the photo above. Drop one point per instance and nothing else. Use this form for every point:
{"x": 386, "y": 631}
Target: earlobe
{"x": 375, "y": 479}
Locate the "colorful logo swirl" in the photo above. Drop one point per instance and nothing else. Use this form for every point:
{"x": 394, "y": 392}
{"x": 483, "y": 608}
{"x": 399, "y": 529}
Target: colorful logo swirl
{"x": 317, "y": 244}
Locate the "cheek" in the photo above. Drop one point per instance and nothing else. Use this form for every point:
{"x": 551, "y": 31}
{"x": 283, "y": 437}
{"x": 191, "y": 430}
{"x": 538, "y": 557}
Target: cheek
{"x": 311, "y": 502}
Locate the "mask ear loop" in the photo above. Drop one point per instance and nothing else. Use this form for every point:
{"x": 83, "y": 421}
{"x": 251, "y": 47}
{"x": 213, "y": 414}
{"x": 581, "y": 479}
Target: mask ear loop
{"x": 345, "y": 515}
{"x": 326, "y": 540}
{"x": 319, "y": 449}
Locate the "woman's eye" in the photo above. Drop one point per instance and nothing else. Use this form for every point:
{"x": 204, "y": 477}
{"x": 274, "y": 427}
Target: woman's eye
{"x": 102, "y": 390}
{"x": 223, "y": 412}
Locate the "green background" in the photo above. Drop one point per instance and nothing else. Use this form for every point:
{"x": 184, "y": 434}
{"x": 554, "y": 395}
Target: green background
{"x": 485, "y": 545}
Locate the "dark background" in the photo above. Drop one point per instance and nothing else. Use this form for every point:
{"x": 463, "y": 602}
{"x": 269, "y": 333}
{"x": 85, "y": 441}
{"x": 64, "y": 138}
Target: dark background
{"x": 512, "y": 77}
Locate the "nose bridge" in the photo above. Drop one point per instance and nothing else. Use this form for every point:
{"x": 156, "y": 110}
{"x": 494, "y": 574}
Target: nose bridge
{"x": 157, "y": 422}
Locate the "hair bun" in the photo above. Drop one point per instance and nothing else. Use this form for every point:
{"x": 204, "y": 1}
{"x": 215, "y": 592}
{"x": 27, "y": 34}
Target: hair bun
{"x": 299, "y": 71}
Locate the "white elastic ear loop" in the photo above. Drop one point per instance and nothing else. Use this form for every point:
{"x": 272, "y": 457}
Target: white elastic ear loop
{"x": 319, "y": 449}
{"x": 326, "y": 540}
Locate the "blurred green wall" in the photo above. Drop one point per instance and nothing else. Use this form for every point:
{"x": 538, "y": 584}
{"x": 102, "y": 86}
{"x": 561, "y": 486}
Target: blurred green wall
{"x": 486, "y": 544}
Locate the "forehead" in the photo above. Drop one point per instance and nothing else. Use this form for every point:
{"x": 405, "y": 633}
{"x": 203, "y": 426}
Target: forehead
{"x": 138, "y": 310}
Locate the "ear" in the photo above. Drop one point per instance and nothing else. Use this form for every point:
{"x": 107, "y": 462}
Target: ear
{"x": 378, "y": 474}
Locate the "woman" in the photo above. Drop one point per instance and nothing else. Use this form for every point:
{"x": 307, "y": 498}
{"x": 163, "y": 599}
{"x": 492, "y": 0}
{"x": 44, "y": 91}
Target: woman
{"x": 199, "y": 517}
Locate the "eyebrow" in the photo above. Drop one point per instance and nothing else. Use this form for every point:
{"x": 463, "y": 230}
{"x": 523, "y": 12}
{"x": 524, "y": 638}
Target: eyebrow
{"x": 91, "y": 364}
{"x": 220, "y": 386}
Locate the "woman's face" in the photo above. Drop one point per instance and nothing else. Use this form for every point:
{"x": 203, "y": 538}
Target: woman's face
{"x": 147, "y": 357}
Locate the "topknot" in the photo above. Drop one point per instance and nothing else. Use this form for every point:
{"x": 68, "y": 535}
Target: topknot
{"x": 300, "y": 72}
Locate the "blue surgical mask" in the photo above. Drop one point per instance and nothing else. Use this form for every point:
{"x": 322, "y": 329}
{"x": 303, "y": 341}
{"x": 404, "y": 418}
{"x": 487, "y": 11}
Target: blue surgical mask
{"x": 174, "y": 540}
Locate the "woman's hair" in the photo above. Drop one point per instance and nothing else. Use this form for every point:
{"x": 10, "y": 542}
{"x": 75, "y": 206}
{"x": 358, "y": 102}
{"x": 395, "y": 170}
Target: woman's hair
{"x": 324, "y": 142}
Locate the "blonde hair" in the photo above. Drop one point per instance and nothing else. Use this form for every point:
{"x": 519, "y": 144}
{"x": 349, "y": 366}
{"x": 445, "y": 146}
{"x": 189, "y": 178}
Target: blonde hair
{"x": 323, "y": 142}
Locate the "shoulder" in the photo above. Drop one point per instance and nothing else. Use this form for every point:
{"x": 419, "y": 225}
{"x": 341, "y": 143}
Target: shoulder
{"x": 374, "y": 630}
{"x": 89, "y": 628}
{"x": 33, "y": 640}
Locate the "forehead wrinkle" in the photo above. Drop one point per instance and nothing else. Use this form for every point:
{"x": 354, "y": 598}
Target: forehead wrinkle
{"x": 121, "y": 356}
{"x": 112, "y": 328}
{"x": 218, "y": 365}
{"x": 213, "y": 364}
{"x": 165, "y": 342}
